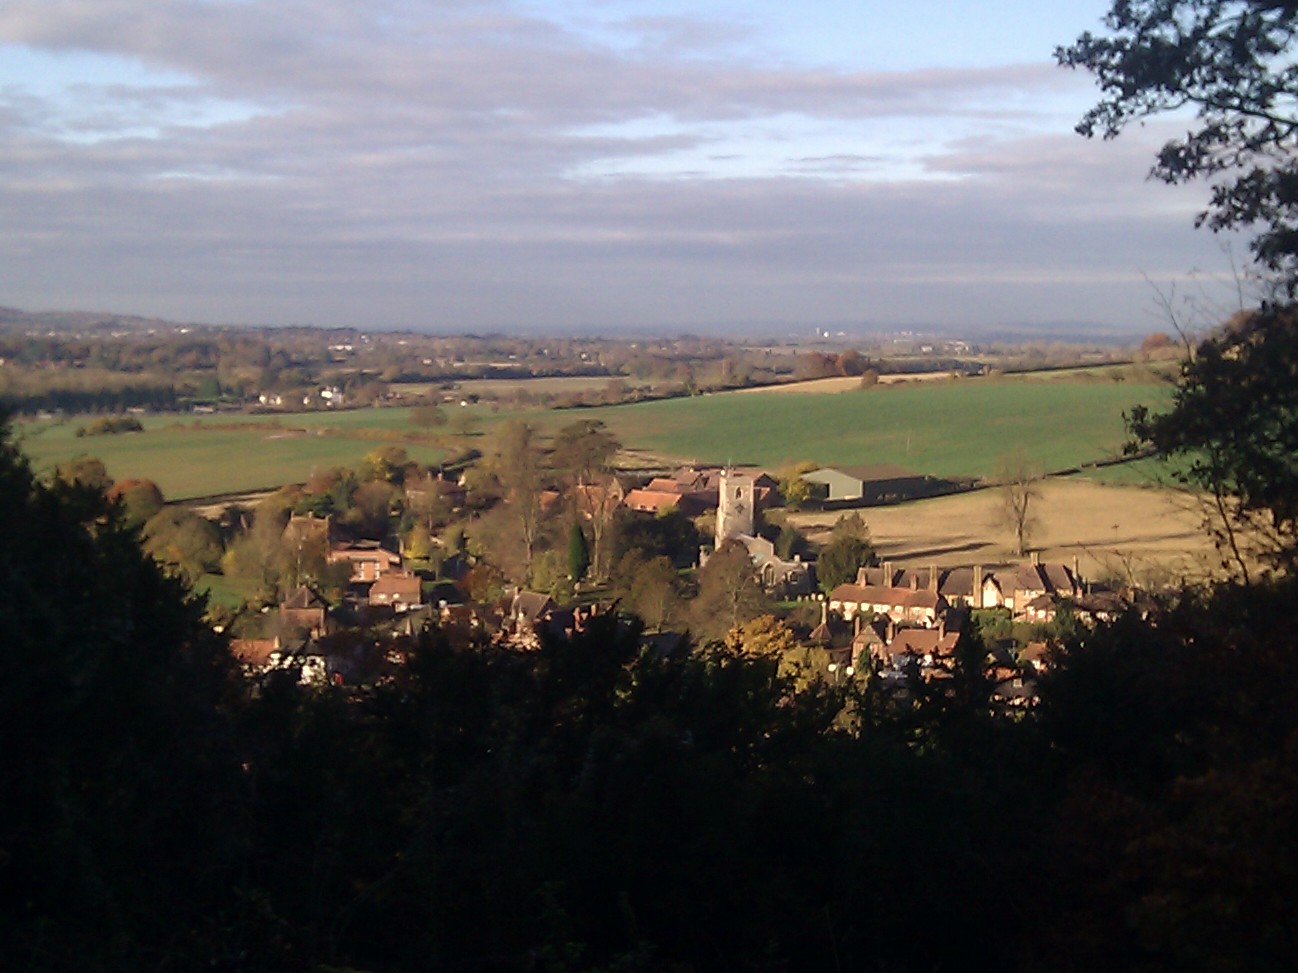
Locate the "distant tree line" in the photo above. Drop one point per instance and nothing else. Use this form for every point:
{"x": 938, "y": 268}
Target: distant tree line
{"x": 156, "y": 398}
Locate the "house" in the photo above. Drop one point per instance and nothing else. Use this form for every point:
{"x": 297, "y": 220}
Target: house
{"x": 524, "y": 618}
{"x": 905, "y": 606}
{"x": 1035, "y": 655}
{"x": 399, "y": 590}
{"x": 1103, "y": 606}
{"x": 1031, "y": 581}
{"x": 926, "y": 646}
{"x": 306, "y": 533}
{"x": 1042, "y": 608}
{"x": 903, "y": 653}
{"x": 303, "y": 609}
{"x": 1013, "y": 683}
{"x": 255, "y": 655}
{"x": 260, "y": 656}
{"x": 369, "y": 560}
{"x": 658, "y": 501}
{"x": 971, "y": 587}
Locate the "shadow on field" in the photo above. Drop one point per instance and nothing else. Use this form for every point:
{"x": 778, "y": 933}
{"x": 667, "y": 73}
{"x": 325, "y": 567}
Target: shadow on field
{"x": 940, "y": 551}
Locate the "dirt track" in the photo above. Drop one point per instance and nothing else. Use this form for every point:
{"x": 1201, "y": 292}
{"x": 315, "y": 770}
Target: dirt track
{"x": 820, "y": 386}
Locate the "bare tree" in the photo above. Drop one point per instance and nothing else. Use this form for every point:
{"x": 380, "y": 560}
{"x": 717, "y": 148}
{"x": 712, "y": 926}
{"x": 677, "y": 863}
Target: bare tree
{"x": 1020, "y": 485}
{"x": 513, "y": 458}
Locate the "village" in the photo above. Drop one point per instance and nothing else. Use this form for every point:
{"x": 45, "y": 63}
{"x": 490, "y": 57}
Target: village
{"x": 699, "y": 557}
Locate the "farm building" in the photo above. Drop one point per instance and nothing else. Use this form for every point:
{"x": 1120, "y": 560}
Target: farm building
{"x": 872, "y": 484}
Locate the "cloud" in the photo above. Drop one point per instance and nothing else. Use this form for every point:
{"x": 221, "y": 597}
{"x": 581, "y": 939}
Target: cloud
{"x": 472, "y": 165}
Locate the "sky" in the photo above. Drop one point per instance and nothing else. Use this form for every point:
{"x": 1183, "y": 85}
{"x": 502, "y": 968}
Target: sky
{"x": 590, "y": 166}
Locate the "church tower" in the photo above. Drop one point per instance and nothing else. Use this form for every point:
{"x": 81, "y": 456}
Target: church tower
{"x": 734, "y": 506}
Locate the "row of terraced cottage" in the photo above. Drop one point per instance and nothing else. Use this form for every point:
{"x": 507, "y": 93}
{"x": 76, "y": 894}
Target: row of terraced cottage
{"x": 907, "y": 621}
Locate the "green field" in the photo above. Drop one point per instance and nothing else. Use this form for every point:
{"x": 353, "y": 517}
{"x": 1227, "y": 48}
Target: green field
{"x": 959, "y": 428}
{"x": 194, "y": 458}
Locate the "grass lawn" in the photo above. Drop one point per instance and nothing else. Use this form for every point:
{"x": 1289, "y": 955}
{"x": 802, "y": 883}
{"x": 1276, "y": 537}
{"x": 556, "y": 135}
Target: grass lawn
{"x": 1140, "y": 472}
{"x": 950, "y": 428}
{"x": 227, "y": 455}
{"x": 220, "y": 590}
{"x": 958, "y": 428}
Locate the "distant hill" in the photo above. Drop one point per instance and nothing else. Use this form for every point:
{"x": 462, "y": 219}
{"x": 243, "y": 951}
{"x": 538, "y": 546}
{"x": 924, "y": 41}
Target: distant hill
{"x": 12, "y": 318}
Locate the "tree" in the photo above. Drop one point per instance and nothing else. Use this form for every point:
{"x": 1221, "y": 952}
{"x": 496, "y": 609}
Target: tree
{"x": 790, "y": 543}
{"x": 583, "y": 453}
{"x": 428, "y": 416}
{"x": 1019, "y": 485}
{"x": 513, "y": 460}
{"x": 1233, "y": 425}
{"x": 729, "y": 592}
{"x": 1233, "y": 416}
{"x": 763, "y": 637}
{"x": 671, "y": 534}
{"x": 1232, "y": 62}
{"x": 374, "y": 505}
{"x": 386, "y": 463}
{"x": 117, "y": 809}
{"x": 654, "y": 591}
{"x": 256, "y": 558}
{"x": 840, "y": 560}
{"x": 86, "y": 471}
{"x": 140, "y": 500}
{"x": 181, "y": 539}
{"x": 851, "y": 525}
{"x": 578, "y": 553}
{"x": 418, "y": 544}
{"x": 793, "y": 488}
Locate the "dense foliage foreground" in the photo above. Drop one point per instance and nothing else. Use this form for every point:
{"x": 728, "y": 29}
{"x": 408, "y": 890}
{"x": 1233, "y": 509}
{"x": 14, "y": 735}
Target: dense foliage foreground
{"x": 591, "y": 806}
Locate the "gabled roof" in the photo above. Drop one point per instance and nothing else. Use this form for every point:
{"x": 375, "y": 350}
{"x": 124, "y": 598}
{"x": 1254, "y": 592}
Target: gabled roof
{"x": 1043, "y": 602}
{"x": 396, "y": 583}
{"x": 303, "y": 597}
{"x": 1051, "y": 578}
{"x": 886, "y": 577}
{"x": 254, "y": 652}
{"x": 531, "y": 605}
{"x": 363, "y": 550}
{"x": 1035, "y": 653}
{"x": 1059, "y": 577}
{"x": 650, "y": 499}
{"x": 878, "y": 595}
{"x": 869, "y": 472}
{"x": 921, "y": 642}
{"x": 957, "y": 583}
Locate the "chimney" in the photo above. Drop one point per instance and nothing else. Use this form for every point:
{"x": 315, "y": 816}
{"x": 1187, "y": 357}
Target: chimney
{"x": 932, "y": 578}
{"x": 978, "y": 586}
{"x": 914, "y": 579}
{"x": 1077, "y": 573}
{"x": 887, "y": 574}
{"x": 1036, "y": 559}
